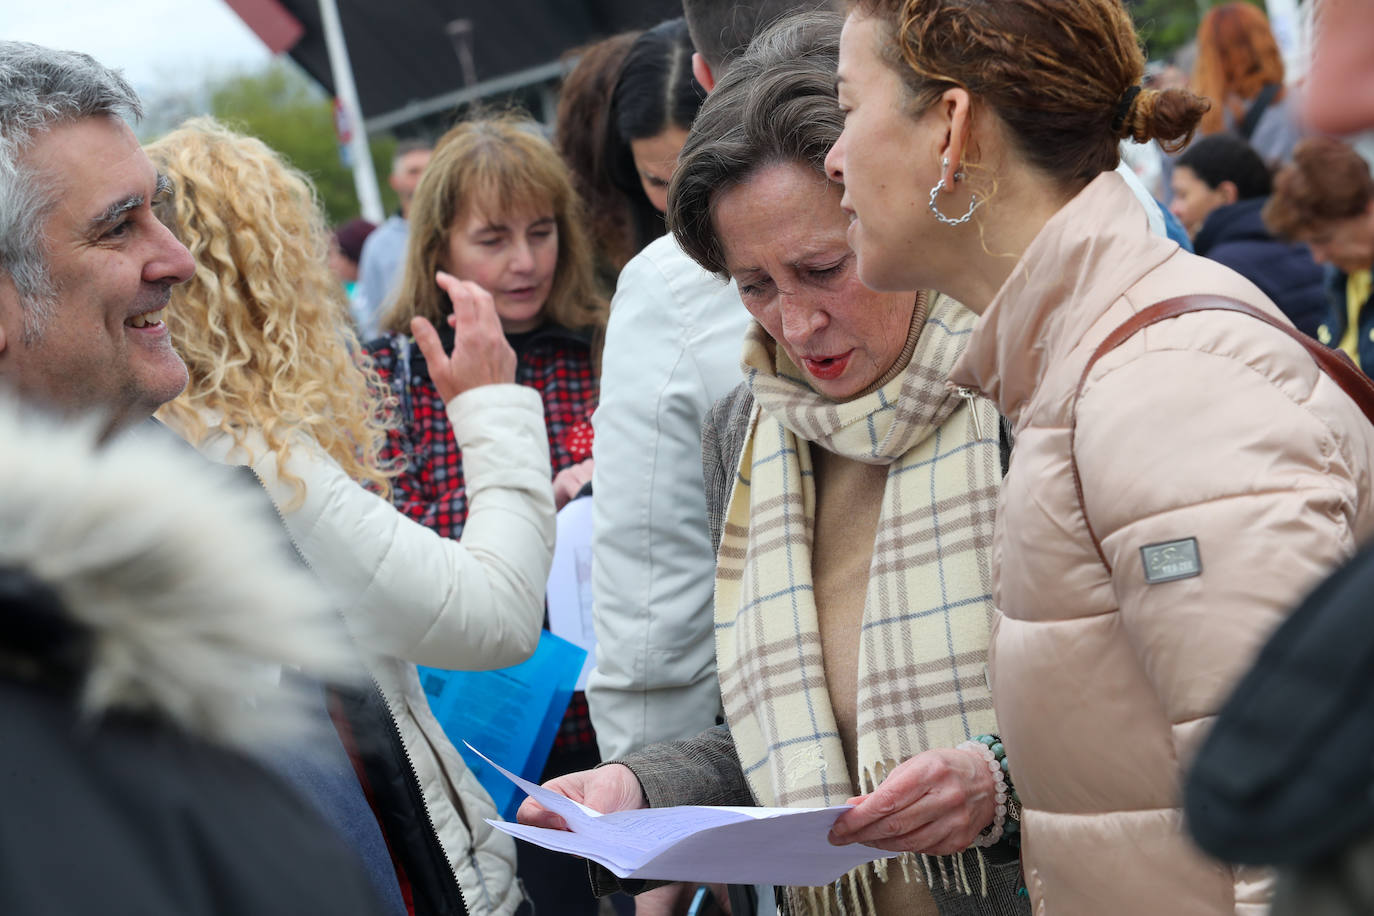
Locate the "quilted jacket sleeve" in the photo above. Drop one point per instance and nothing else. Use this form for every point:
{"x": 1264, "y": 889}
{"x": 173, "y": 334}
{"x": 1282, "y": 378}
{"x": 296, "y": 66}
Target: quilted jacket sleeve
{"x": 1273, "y": 505}
{"x": 415, "y": 595}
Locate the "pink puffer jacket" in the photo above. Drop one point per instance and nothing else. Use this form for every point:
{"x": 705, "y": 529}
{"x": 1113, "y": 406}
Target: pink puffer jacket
{"x": 1210, "y": 429}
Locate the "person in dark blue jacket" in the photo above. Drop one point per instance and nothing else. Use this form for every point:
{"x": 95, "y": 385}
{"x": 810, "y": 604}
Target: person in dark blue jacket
{"x": 1220, "y": 186}
{"x": 1325, "y": 198}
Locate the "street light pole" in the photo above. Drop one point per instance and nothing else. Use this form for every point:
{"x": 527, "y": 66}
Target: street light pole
{"x": 360, "y": 156}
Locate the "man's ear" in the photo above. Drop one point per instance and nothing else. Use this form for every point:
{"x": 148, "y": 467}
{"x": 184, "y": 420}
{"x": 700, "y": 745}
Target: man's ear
{"x": 702, "y": 71}
{"x": 1228, "y": 191}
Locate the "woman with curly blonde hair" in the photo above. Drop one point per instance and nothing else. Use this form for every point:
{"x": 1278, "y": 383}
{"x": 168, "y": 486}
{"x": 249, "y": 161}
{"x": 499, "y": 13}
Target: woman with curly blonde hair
{"x": 278, "y": 383}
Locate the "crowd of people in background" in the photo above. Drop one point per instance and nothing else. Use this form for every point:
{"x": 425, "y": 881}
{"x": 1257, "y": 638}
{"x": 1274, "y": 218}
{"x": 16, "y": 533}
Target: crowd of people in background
{"x": 963, "y": 420}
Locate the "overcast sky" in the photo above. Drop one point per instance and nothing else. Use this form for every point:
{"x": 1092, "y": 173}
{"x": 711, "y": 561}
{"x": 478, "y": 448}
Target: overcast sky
{"x": 159, "y": 44}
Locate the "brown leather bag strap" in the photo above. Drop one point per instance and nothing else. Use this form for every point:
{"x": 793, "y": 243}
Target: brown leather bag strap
{"x": 1335, "y": 363}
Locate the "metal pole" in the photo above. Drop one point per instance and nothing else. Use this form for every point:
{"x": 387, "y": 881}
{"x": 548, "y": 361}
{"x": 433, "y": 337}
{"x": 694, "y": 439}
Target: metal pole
{"x": 1289, "y": 26}
{"x": 364, "y": 177}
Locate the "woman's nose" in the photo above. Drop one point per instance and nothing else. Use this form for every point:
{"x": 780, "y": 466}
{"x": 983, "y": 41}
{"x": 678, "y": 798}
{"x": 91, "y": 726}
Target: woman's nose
{"x": 800, "y": 318}
{"x": 522, "y": 257}
{"x": 834, "y": 161}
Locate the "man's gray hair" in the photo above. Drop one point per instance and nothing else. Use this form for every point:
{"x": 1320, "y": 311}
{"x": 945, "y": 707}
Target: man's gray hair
{"x": 41, "y": 88}
{"x": 722, "y": 29}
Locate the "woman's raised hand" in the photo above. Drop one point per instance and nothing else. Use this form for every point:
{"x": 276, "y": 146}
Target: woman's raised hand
{"x": 934, "y": 803}
{"x": 608, "y": 788}
{"x": 481, "y": 355}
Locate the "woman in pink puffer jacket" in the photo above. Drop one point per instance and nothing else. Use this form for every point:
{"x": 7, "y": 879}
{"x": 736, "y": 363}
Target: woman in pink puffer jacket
{"x": 1222, "y": 472}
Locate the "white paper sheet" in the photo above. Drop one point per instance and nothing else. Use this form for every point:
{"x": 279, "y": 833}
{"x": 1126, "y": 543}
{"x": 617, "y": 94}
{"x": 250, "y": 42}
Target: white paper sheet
{"x": 569, "y": 590}
{"x": 785, "y": 846}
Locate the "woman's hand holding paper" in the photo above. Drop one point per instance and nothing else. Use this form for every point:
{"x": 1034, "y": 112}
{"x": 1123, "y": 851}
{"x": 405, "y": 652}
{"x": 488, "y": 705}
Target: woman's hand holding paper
{"x": 608, "y": 788}
{"x": 933, "y": 803}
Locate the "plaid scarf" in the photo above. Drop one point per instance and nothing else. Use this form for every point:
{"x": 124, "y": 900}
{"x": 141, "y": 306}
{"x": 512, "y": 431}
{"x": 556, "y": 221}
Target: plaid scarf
{"x": 927, "y": 612}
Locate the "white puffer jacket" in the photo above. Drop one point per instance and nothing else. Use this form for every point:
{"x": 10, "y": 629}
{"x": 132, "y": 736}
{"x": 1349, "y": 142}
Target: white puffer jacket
{"x": 412, "y": 596}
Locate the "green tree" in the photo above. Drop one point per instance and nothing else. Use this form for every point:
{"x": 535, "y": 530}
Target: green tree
{"x": 287, "y": 111}
{"x": 1167, "y": 25}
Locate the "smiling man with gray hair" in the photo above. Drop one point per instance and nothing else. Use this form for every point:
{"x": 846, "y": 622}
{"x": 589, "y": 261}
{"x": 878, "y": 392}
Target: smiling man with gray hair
{"x": 85, "y": 267}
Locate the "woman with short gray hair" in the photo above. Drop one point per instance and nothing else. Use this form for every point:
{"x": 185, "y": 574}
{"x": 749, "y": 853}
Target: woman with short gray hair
{"x": 852, "y": 495}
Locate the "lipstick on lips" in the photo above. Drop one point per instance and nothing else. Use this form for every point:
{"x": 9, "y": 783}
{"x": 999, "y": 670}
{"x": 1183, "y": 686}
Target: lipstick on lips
{"x": 828, "y": 368}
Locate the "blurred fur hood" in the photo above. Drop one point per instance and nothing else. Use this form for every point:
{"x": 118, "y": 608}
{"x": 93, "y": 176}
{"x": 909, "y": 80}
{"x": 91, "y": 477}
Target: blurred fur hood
{"x": 160, "y": 583}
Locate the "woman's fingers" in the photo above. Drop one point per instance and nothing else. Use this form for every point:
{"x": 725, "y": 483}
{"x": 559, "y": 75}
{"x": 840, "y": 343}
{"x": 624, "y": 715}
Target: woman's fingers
{"x": 459, "y": 294}
{"x": 428, "y": 340}
{"x": 536, "y": 815}
{"x": 474, "y": 309}
{"x": 902, "y": 789}
{"x": 932, "y": 803}
{"x": 481, "y": 355}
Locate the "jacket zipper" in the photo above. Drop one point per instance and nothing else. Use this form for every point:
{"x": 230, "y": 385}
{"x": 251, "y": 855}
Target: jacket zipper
{"x": 419, "y": 797}
{"x": 970, "y": 396}
{"x": 414, "y": 782}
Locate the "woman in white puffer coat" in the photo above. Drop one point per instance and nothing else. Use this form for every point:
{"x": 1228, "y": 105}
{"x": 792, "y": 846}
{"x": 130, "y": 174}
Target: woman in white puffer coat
{"x": 279, "y": 383}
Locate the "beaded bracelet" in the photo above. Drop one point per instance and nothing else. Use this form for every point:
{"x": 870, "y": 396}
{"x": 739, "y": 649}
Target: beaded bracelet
{"x": 1007, "y": 813}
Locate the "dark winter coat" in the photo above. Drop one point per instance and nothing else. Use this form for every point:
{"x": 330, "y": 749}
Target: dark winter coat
{"x": 1235, "y": 235}
{"x": 1336, "y": 316}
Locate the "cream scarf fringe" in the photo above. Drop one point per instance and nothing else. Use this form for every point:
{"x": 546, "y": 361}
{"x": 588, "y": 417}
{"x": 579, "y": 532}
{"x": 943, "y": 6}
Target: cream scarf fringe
{"x": 927, "y": 612}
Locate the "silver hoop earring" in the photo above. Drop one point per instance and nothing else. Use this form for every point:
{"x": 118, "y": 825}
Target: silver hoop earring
{"x": 944, "y": 164}
{"x": 934, "y": 208}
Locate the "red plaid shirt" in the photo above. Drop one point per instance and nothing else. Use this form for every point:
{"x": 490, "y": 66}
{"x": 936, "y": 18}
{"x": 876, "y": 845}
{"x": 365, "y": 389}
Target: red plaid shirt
{"x": 554, "y": 361}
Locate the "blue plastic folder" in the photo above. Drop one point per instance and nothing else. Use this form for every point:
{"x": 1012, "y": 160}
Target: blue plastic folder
{"x": 511, "y": 714}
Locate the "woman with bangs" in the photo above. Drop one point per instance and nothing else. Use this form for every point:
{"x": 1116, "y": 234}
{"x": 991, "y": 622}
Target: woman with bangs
{"x": 496, "y": 208}
{"x": 278, "y": 383}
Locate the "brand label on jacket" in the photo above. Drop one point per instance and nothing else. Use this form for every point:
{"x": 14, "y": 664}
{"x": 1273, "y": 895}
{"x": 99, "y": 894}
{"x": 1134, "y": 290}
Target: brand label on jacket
{"x": 1171, "y": 560}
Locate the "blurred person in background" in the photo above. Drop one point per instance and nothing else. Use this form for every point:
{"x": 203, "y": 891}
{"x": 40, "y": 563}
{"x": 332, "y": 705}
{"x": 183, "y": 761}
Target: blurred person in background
{"x": 628, "y": 155}
{"x": 379, "y": 265}
{"x": 139, "y": 671}
{"x": 277, "y": 384}
{"x": 1220, "y": 185}
{"x": 496, "y": 208}
{"x": 1325, "y": 199}
{"x": 1339, "y": 95}
{"x": 1239, "y": 67}
{"x": 581, "y": 127}
{"x": 656, "y": 97}
{"x": 346, "y": 248}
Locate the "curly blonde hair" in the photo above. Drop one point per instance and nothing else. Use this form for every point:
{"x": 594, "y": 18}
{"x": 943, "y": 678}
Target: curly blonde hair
{"x": 500, "y": 163}
{"x": 263, "y": 324}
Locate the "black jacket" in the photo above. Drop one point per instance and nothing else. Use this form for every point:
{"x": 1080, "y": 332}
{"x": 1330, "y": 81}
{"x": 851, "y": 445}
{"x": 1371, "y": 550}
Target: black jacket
{"x": 128, "y": 814}
{"x": 1333, "y": 324}
{"x": 1235, "y": 235}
